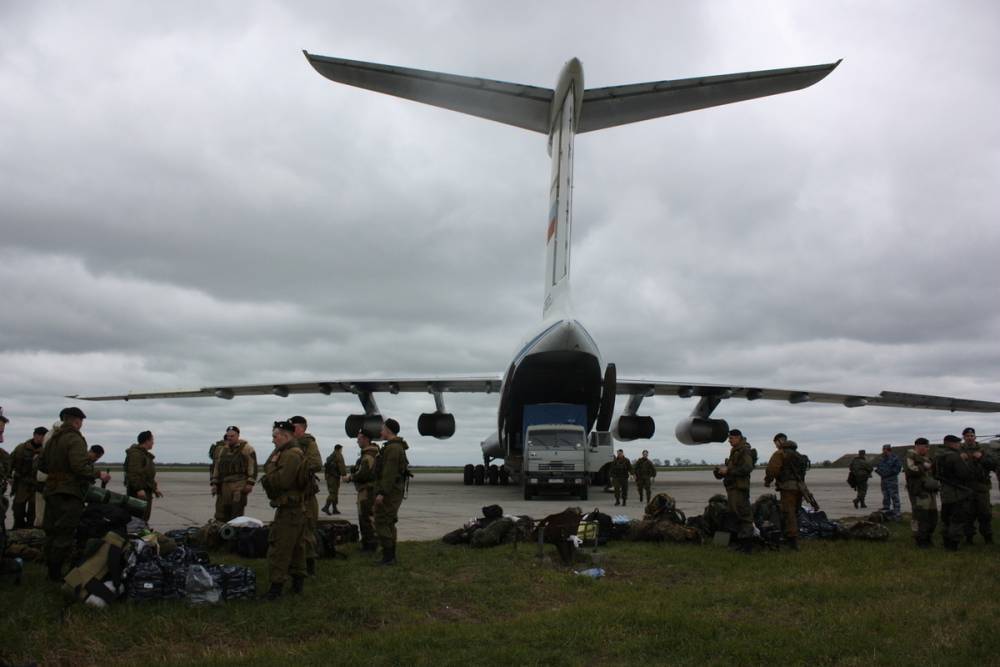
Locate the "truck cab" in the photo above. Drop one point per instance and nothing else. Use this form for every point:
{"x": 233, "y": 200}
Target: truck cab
{"x": 558, "y": 455}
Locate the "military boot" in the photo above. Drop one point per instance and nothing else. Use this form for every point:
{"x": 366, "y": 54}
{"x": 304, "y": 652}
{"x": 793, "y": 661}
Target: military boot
{"x": 311, "y": 567}
{"x": 624, "y": 502}
{"x": 863, "y": 506}
{"x": 326, "y": 508}
{"x": 298, "y": 582}
{"x": 369, "y": 548}
{"x": 793, "y": 543}
{"x": 274, "y": 592}
{"x": 746, "y": 545}
{"x": 388, "y": 556}
{"x": 855, "y": 501}
{"x": 334, "y": 510}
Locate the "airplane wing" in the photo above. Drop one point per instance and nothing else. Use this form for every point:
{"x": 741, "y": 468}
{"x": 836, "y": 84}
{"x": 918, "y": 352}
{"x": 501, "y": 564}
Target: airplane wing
{"x": 486, "y": 384}
{"x": 889, "y": 399}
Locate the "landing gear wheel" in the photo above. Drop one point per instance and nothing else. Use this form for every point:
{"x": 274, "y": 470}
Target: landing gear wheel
{"x": 504, "y": 476}
{"x": 467, "y": 474}
{"x": 479, "y": 475}
{"x": 493, "y": 473}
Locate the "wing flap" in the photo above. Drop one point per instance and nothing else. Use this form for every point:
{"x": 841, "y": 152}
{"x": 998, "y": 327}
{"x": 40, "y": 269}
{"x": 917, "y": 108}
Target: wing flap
{"x": 515, "y": 104}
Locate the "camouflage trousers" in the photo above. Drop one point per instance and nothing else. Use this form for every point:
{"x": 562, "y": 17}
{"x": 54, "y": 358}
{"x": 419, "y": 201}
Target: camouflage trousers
{"x": 24, "y": 504}
{"x": 332, "y": 490}
{"x": 981, "y": 513}
{"x": 621, "y": 488}
{"x": 738, "y": 501}
{"x": 861, "y": 487}
{"x": 62, "y": 516}
{"x": 925, "y": 517}
{"x": 285, "y": 544}
{"x": 791, "y": 501}
{"x": 386, "y": 516}
{"x": 954, "y": 517}
{"x": 890, "y": 495}
{"x": 645, "y": 486}
{"x": 311, "y": 506}
{"x": 366, "y": 523}
{"x": 230, "y": 501}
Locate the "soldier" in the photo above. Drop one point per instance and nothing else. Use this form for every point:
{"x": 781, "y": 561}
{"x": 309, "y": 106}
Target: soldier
{"x": 860, "y": 470}
{"x": 4, "y": 458}
{"x": 983, "y": 463}
{"x": 645, "y": 471}
{"x": 363, "y": 476}
{"x": 69, "y": 471}
{"x": 286, "y": 481}
{"x": 923, "y": 491}
{"x": 888, "y": 468}
{"x": 390, "y": 486}
{"x": 956, "y": 475}
{"x": 314, "y": 463}
{"x": 23, "y": 470}
{"x": 234, "y": 473}
{"x": 735, "y": 476}
{"x": 621, "y": 468}
{"x": 140, "y": 472}
{"x": 788, "y": 468}
{"x": 334, "y": 470}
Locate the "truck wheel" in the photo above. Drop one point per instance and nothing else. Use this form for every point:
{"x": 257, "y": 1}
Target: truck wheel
{"x": 527, "y": 492}
{"x": 504, "y": 476}
{"x": 479, "y": 476}
{"x": 493, "y": 472}
{"x": 584, "y": 492}
{"x": 467, "y": 474}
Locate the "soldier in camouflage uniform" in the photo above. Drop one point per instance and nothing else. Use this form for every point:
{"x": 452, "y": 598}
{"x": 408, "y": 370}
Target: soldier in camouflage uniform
{"x": 4, "y": 468}
{"x": 334, "y": 470}
{"x": 363, "y": 476}
{"x": 22, "y": 462}
{"x": 983, "y": 463}
{"x": 735, "y": 476}
{"x": 888, "y": 468}
{"x": 286, "y": 482}
{"x": 645, "y": 471}
{"x": 953, "y": 470}
{"x": 390, "y": 486}
{"x": 787, "y": 468}
{"x": 860, "y": 470}
{"x": 314, "y": 463}
{"x": 140, "y": 472}
{"x": 69, "y": 472}
{"x": 234, "y": 473}
{"x": 620, "y": 469}
{"x": 923, "y": 491}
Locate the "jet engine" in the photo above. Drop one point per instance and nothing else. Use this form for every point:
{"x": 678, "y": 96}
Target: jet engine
{"x": 440, "y": 425}
{"x": 370, "y": 424}
{"x": 633, "y": 427}
{"x": 700, "y": 430}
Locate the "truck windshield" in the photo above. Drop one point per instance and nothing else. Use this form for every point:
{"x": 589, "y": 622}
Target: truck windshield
{"x": 555, "y": 439}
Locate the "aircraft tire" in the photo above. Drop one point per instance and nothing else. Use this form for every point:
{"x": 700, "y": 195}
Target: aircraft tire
{"x": 467, "y": 474}
{"x": 493, "y": 472}
{"x": 504, "y": 476}
{"x": 479, "y": 476}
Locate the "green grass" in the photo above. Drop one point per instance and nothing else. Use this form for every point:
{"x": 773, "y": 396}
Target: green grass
{"x": 833, "y": 603}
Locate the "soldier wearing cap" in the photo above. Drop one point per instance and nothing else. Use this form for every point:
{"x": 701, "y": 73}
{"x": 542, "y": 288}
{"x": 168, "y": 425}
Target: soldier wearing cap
{"x": 983, "y": 463}
{"x": 735, "y": 476}
{"x": 390, "y": 486}
{"x": 645, "y": 471}
{"x": 620, "y": 469}
{"x": 234, "y": 473}
{"x": 923, "y": 491}
{"x": 140, "y": 471}
{"x": 314, "y": 463}
{"x": 955, "y": 473}
{"x": 888, "y": 468}
{"x": 363, "y": 476}
{"x": 23, "y": 469}
{"x": 4, "y": 459}
{"x": 334, "y": 470}
{"x": 69, "y": 471}
{"x": 860, "y": 470}
{"x": 787, "y": 468}
{"x": 286, "y": 480}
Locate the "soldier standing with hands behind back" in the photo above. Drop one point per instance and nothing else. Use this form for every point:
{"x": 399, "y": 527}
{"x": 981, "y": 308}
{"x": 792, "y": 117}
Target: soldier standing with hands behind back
{"x": 234, "y": 473}
{"x": 334, "y": 470}
{"x": 363, "y": 476}
{"x": 285, "y": 481}
{"x": 140, "y": 472}
{"x": 923, "y": 491}
{"x": 390, "y": 486}
{"x": 23, "y": 471}
{"x": 314, "y": 463}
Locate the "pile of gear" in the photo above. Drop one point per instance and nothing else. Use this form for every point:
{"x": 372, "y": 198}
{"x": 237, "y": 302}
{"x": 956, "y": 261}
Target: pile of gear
{"x": 663, "y": 522}
{"x": 247, "y": 537}
{"x": 492, "y": 529}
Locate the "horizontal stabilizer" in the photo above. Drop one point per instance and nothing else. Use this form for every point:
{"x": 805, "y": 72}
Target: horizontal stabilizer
{"x": 618, "y": 105}
{"x": 526, "y": 107}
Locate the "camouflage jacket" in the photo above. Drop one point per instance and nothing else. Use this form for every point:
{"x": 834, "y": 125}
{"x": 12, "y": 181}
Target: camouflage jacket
{"x": 4, "y": 465}
{"x": 861, "y": 468}
{"x": 335, "y": 465}
{"x": 66, "y": 463}
{"x": 620, "y": 469}
{"x": 140, "y": 470}
{"x": 364, "y": 470}
{"x": 22, "y": 462}
{"x": 235, "y": 464}
{"x": 392, "y": 468}
{"x": 919, "y": 471}
{"x": 644, "y": 469}
{"x": 955, "y": 474}
{"x": 982, "y": 466}
{"x": 888, "y": 467}
{"x": 283, "y": 481}
{"x": 739, "y": 465}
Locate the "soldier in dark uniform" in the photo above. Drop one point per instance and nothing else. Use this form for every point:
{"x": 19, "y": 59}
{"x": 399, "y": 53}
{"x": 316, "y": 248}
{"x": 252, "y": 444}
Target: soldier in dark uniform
{"x": 620, "y": 469}
{"x": 334, "y": 470}
{"x": 363, "y": 476}
{"x": 390, "y": 486}
{"x": 983, "y": 463}
{"x": 645, "y": 471}
{"x": 69, "y": 471}
{"x": 860, "y": 470}
{"x": 787, "y": 468}
{"x": 23, "y": 470}
{"x": 956, "y": 475}
{"x": 888, "y": 468}
{"x": 314, "y": 462}
{"x": 140, "y": 471}
{"x": 923, "y": 491}
{"x": 286, "y": 481}
{"x": 234, "y": 473}
{"x": 735, "y": 476}
{"x": 4, "y": 467}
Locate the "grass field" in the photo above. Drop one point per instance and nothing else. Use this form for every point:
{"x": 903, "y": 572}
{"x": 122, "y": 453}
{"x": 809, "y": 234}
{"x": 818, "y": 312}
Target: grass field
{"x": 833, "y": 603}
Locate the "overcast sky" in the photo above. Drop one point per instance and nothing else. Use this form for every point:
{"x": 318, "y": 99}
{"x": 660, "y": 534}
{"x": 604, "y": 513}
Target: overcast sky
{"x": 185, "y": 202}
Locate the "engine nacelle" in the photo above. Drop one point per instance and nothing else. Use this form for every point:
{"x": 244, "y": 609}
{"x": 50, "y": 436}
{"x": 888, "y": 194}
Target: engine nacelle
{"x": 633, "y": 427}
{"x": 370, "y": 424}
{"x": 440, "y": 425}
{"x": 491, "y": 447}
{"x": 700, "y": 430}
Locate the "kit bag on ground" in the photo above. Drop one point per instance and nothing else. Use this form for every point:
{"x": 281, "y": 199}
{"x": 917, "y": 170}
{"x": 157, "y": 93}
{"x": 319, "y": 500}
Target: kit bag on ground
{"x": 251, "y": 542}
{"x": 767, "y": 518}
{"x": 816, "y": 524}
{"x": 237, "y": 582}
{"x": 604, "y": 526}
{"x": 98, "y": 579}
{"x": 97, "y": 519}
{"x": 342, "y": 531}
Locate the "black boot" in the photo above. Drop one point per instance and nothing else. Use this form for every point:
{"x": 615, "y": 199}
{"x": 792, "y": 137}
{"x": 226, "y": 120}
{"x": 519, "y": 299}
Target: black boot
{"x": 369, "y": 548}
{"x": 746, "y": 545}
{"x": 297, "y": 583}
{"x": 311, "y": 567}
{"x": 793, "y": 543}
{"x": 326, "y": 508}
{"x": 388, "y": 556}
{"x": 863, "y": 505}
{"x": 617, "y": 503}
{"x": 55, "y": 571}
{"x": 624, "y": 502}
{"x": 855, "y": 501}
{"x": 274, "y": 592}
{"x": 334, "y": 510}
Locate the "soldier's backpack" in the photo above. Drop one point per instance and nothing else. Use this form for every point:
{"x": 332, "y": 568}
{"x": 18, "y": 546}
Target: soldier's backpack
{"x": 493, "y": 534}
{"x": 604, "y": 525}
{"x": 97, "y": 581}
{"x": 663, "y": 506}
{"x": 717, "y": 513}
{"x": 237, "y": 582}
{"x": 342, "y": 531}
{"x": 556, "y": 529}
{"x": 492, "y": 511}
{"x": 868, "y": 530}
{"x": 767, "y": 518}
{"x": 663, "y": 530}
{"x": 816, "y": 524}
{"x": 148, "y": 583}
{"x": 798, "y": 463}
{"x": 97, "y": 519}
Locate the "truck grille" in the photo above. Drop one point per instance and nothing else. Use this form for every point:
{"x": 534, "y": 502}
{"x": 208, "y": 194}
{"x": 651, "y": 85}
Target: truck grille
{"x": 551, "y": 467}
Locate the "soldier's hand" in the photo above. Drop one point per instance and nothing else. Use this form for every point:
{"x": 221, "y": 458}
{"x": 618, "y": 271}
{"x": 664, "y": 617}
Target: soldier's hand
{"x": 105, "y": 477}
{"x": 378, "y": 499}
{"x": 247, "y": 489}
{"x": 141, "y": 495}
{"x": 157, "y": 493}
{"x": 215, "y": 489}
{"x": 723, "y": 470}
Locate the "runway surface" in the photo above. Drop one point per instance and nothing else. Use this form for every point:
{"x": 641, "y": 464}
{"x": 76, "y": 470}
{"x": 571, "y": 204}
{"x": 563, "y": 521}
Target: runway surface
{"x": 439, "y": 502}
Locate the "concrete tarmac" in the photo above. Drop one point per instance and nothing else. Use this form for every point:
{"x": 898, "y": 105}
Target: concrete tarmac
{"x": 438, "y": 502}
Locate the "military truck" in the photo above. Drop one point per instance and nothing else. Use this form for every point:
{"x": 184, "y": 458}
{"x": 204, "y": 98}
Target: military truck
{"x": 558, "y": 453}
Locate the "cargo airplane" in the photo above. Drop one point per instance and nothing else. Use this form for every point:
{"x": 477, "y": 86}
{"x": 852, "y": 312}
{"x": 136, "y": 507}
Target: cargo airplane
{"x": 560, "y": 363}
